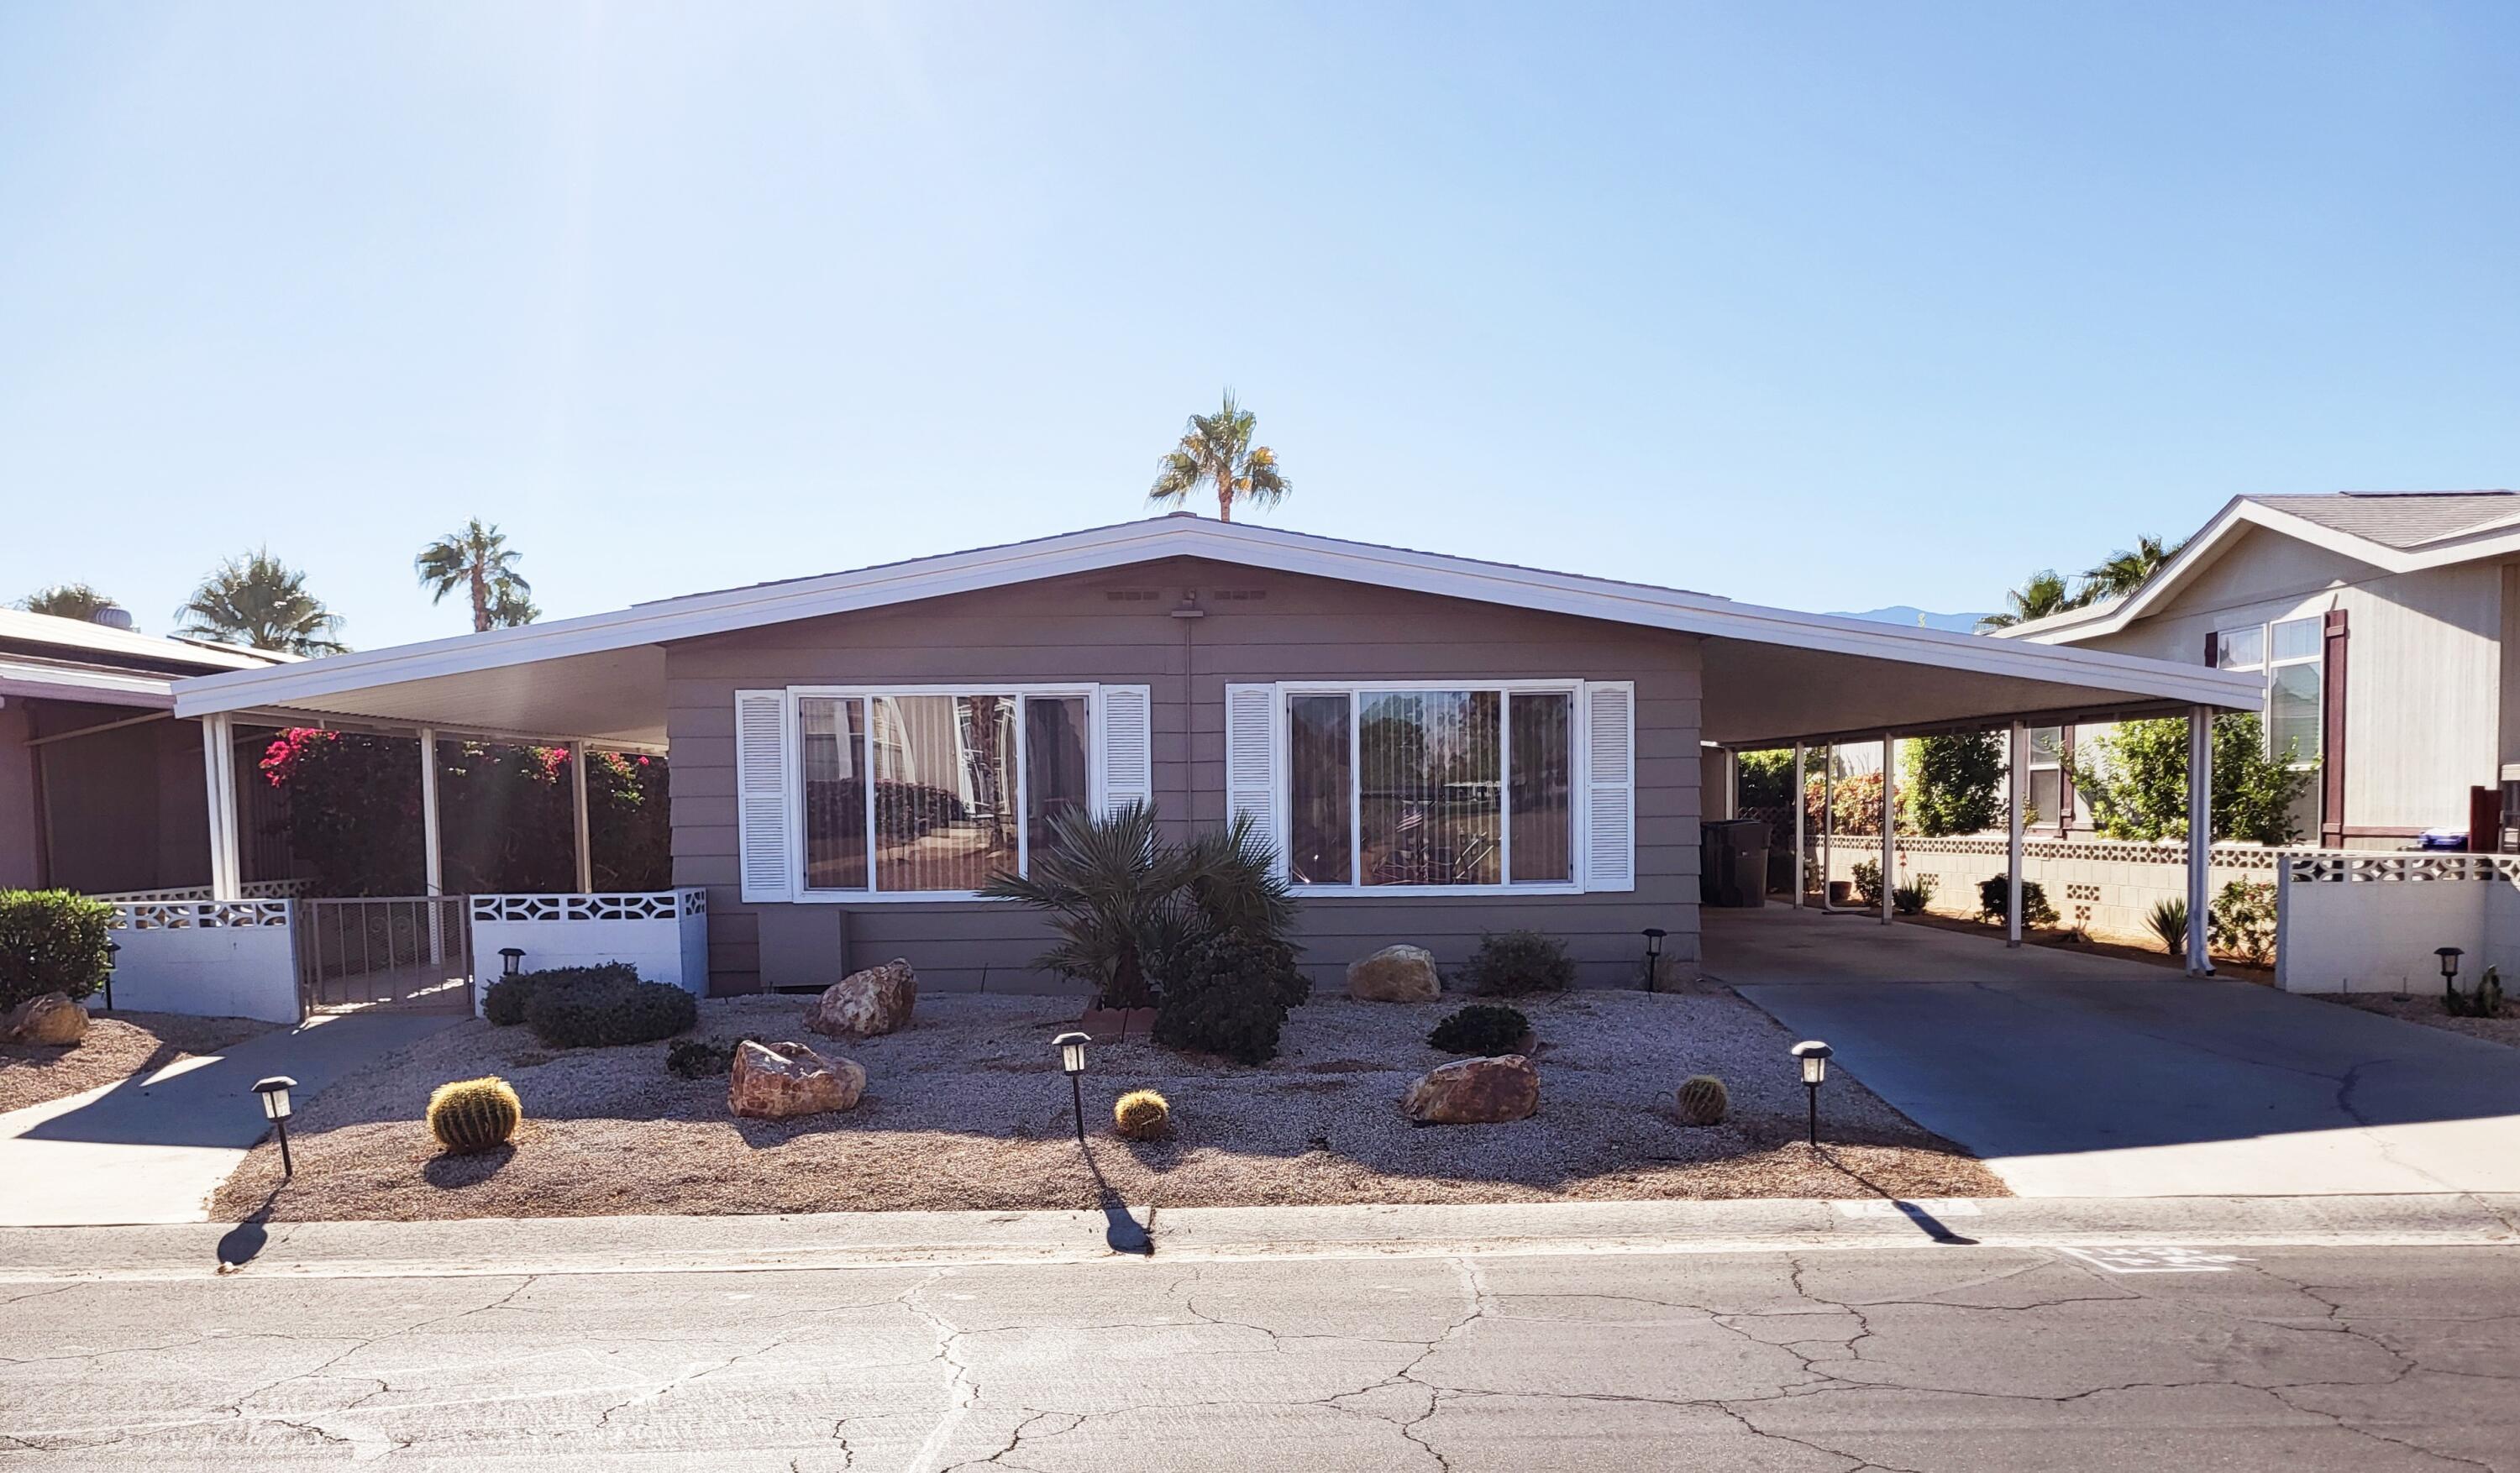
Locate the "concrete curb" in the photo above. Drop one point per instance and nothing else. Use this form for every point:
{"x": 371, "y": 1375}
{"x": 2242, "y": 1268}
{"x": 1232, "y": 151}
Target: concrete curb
{"x": 499, "y": 1246}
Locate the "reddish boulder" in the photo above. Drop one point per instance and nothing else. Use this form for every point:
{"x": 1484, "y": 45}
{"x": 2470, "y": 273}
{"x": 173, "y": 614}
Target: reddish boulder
{"x": 864, "y": 1004}
{"x": 48, "y": 1020}
{"x": 1474, "y": 1092}
{"x": 775, "y": 1081}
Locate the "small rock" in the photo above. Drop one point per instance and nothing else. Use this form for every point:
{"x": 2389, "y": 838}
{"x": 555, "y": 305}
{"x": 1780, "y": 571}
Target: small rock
{"x": 1474, "y": 1092}
{"x": 864, "y": 1004}
{"x": 48, "y": 1020}
{"x": 775, "y": 1081}
{"x": 1395, "y": 974}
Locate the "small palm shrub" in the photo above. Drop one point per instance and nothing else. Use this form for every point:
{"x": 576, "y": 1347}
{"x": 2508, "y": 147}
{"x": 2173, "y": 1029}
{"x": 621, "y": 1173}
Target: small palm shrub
{"x": 474, "y": 1114}
{"x": 1142, "y": 1115}
{"x": 1912, "y": 898}
{"x": 2168, "y": 923}
{"x": 703, "y": 1058}
{"x": 2242, "y": 920}
{"x": 1703, "y": 1100}
{"x": 600, "y": 1013}
{"x": 51, "y": 941}
{"x": 1512, "y": 963}
{"x": 1994, "y": 892}
{"x": 2486, "y": 1001}
{"x": 1483, "y": 1029}
{"x": 1228, "y": 997}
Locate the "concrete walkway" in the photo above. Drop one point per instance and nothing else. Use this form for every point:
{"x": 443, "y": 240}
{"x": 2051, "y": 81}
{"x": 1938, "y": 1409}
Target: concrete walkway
{"x": 152, "y": 1149}
{"x": 2083, "y": 1076}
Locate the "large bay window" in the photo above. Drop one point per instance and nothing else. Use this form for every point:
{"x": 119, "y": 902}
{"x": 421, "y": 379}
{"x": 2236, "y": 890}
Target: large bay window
{"x": 1434, "y": 786}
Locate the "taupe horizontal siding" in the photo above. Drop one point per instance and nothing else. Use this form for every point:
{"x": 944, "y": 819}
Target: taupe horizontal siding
{"x": 1304, "y": 628}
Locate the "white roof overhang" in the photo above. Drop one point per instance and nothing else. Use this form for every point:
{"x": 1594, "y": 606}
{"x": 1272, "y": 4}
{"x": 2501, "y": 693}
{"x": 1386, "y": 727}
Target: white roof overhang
{"x": 36, "y": 680}
{"x": 601, "y": 677}
{"x": 2495, "y": 538}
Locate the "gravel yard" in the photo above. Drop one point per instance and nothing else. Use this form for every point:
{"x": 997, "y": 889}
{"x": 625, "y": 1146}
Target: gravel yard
{"x": 118, "y": 1047}
{"x": 2424, "y": 1005}
{"x": 965, "y": 1108}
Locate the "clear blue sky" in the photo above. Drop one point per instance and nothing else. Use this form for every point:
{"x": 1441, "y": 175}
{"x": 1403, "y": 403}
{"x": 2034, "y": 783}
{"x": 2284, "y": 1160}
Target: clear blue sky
{"x": 1824, "y": 305}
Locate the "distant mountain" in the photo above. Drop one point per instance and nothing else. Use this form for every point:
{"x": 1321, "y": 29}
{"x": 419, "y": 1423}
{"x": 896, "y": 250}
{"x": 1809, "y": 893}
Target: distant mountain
{"x": 1912, "y": 616}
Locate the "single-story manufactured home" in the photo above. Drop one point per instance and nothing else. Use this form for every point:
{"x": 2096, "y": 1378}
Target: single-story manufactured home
{"x": 1438, "y": 746}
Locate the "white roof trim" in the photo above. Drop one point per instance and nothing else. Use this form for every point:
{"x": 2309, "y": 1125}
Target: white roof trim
{"x": 701, "y": 614}
{"x": 2237, "y": 517}
{"x": 107, "y": 688}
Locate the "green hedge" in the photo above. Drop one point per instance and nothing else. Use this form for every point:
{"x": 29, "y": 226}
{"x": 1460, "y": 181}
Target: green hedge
{"x": 51, "y": 941}
{"x": 594, "y": 1008}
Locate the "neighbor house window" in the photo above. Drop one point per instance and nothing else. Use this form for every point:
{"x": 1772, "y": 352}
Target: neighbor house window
{"x": 2289, "y": 651}
{"x": 1432, "y": 788}
{"x": 933, "y": 793}
{"x": 2046, "y": 776}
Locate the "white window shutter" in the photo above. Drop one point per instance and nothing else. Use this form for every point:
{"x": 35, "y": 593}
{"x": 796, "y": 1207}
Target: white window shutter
{"x": 761, "y": 769}
{"x": 1252, "y": 759}
{"x": 1610, "y": 787}
{"x": 1124, "y": 746}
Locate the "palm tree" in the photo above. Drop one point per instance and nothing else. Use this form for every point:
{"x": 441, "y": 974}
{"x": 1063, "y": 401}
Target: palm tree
{"x": 477, "y": 558}
{"x": 67, "y": 600}
{"x": 511, "y": 609}
{"x": 2043, "y": 595}
{"x": 1217, "y": 448}
{"x": 258, "y": 600}
{"x": 2125, "y": 572}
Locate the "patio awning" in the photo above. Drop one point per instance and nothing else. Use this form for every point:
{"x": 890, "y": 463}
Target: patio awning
{"x": 1771, "y": 675}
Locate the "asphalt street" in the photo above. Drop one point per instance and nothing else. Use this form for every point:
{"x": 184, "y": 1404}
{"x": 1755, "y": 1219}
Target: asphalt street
{"x": 1948, "y": 1357}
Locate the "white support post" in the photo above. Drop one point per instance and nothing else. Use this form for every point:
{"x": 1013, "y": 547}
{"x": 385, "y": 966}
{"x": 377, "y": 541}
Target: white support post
{"x": 433, "y": 873}
{"x": 2018, "y": 793}
{"x": 1798, "y": 826}
{"x": 1827, "y": 824}
{"x": 577, "y": 814}
{"x": 218, "y": 772}
{"x": 2200, "y": 838}
{"x": 1728, "y": 779}
{"x": 1889, "y": 822}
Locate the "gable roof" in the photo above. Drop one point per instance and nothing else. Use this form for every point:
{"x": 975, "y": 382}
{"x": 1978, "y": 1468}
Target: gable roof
{"x": 606, "y": 647}
{"x": 2394, "y": 531}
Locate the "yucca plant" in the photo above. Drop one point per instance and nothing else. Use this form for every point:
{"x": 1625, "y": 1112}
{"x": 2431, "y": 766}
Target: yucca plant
{"x": 2168, "y": 921}
{"x": 1129, "y": 906}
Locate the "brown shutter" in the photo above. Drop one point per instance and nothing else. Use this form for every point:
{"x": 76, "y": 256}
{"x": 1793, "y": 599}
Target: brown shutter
{"x": 2213, "y": 649}
{"x": 2331, "y": 732}
{"x": 2064, "y": 779}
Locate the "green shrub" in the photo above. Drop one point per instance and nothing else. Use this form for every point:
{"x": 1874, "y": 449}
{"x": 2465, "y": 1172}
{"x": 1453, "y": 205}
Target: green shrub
{"x": 1227, "y": 996}
{"x": 703, "y": 1058}
{"x": 1954, "y": 783}
{"x": 474, "y": 1114}
{"x": 2242, "y": 920}
{"x": 1868, "y": 884}
{"x": 1511, "y": 963}
{"x": 1994, "y": 891}
{"x": 51, "y": 941}
{"x": 1912, "y": 898}
{"x": 1482, "y": 1029}
{"x": 2134, "y": 781}
{"x": 1703, "y": 1100}
{"x": 2168, "y": 920}
{"x": 596, "y": 1007}
{"x": 505, "y": 1004}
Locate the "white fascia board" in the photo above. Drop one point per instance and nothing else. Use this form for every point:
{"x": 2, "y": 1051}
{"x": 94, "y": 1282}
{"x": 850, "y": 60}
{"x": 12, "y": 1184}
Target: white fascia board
{"x": 2236, "y": 519}
{"x": 1099, "y": 549}
{"x": 102, "y": 687}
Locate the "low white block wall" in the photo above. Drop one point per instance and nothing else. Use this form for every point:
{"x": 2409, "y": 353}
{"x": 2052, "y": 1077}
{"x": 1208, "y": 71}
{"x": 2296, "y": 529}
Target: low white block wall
{"x": 2105, "y": 886}
{"x": 236, "y": 959}
{"x": 663, "y": 933}
{"x": 2372, "y": 922}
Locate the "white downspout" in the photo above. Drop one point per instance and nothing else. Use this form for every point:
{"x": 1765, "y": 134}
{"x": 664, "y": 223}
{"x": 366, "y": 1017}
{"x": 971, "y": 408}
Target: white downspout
{"x": 432, "y": 861}
{"x": 1798, "y": 826}
{"x": 2200, "y": 839}
{"x": 2019, "y": 796}
{"x": 1889, "y": 823}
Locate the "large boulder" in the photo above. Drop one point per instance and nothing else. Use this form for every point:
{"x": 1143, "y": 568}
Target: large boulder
{"x": 1395, "y": 974}
{"x": 775, "y": 1081}
{"x": 1474, "y": 1092}
{"x": 864, "y": 1004}
{"x": 50, "y": 1020}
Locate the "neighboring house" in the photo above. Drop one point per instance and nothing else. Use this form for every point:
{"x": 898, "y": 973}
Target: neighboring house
{"x": 102, "y": 788}
{"x": 1438, "y": 746}
{"x": 2379, "y": 624}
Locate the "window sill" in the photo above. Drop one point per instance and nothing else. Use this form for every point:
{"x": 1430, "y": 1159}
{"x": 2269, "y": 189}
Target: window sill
{"x": 1385, "y": 892}
{"x": 880, "y": 898}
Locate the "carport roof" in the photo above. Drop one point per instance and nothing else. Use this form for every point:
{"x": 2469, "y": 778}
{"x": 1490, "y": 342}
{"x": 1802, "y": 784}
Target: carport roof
{"x": 1771, "y": 673}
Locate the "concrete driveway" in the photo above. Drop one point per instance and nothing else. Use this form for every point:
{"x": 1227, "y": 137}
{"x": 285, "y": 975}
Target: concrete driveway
{"x": 2075, "y": 1075}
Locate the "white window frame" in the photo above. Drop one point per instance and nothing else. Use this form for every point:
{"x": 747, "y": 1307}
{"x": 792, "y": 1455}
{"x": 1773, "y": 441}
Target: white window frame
{"x": 2032, "y": 764}
{"x": 800, "y": 894}
{"x": 1579, "y": 784}
{"x": 2317, "y": 659}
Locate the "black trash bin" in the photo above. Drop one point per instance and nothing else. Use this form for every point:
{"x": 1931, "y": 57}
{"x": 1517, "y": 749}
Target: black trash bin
{"x": 1732, "y": 863}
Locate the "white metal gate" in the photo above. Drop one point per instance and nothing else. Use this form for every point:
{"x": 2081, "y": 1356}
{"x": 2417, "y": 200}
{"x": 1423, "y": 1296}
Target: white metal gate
{"x": 401, "y": 951}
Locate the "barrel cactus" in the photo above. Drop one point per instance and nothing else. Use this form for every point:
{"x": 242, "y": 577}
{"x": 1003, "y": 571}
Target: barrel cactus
{"x": 1142, "y": 1115}
{"x": 1702, "y": 1100}
{"x": 474, "y": 1114}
